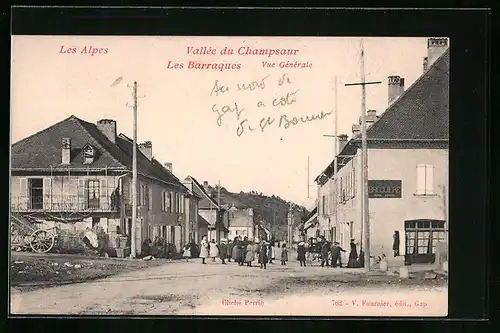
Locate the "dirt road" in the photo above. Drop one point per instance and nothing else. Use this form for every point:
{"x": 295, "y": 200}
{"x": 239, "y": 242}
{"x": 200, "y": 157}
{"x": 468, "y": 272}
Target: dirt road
{"x": 180, "y": 288}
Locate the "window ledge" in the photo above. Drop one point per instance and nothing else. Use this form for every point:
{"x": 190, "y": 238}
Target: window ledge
{"x": 425, "y": 195}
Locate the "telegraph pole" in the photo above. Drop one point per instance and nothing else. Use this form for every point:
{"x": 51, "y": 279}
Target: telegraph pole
{"x": 364, "y": 162}
{"x": 335, "y": 153}
{"x": 134, "y": 178}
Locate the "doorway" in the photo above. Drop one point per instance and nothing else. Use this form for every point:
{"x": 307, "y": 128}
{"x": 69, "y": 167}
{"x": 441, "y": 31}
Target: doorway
{"x": 36, "y": 193}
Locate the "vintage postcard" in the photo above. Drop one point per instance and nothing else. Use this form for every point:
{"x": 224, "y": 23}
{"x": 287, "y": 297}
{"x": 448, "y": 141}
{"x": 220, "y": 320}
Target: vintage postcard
{"x": 229, "y": 176}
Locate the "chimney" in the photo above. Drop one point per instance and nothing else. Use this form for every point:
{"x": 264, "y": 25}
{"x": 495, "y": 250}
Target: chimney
{"x": 147, "y": 149}
{"x": 66, "y": 151}
{"x": 435, "y": 48}
{"x": 206, "y": 188}
{"x": 168, "y": 166}
{"x": 356, "y": 129}
{"x": 342, "y": 142}
{"x": 108, "y": 128}
{"x": 396, "y": 87}
{"x": 426, "y": 64}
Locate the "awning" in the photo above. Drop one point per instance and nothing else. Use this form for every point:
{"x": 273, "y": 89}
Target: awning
{"x": 312, "y": 221}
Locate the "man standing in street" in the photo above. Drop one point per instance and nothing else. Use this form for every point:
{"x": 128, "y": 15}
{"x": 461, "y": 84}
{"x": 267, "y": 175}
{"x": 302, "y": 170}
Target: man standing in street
{"x": 336, "y": 249}
{"x": 325, "y": 248}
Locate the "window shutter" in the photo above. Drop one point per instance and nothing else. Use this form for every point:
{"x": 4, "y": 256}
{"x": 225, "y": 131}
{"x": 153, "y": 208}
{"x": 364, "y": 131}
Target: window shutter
{"x": 47, "y": 193}
{"x": 23, "y": 194}
{"x": 82, "y": 194}
{"x": 150, "y": 198}
{"x": 182, "y": 203}
{"x": 421, "y": 179}
{"x": 354, "y": 182}
{"x": 104, "y": 199}
{"x": 429, "y": 179}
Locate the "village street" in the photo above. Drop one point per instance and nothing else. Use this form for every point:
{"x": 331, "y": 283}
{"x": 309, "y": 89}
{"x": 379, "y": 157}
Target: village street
{"x": 180, "y": 288}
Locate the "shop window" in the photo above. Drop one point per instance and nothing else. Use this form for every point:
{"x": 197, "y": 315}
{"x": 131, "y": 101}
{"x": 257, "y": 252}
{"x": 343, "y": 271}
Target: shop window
{"x": 422, "y": 237}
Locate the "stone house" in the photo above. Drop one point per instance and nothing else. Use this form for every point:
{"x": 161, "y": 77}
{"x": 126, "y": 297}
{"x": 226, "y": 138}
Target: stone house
{"x": 80, "y": 173}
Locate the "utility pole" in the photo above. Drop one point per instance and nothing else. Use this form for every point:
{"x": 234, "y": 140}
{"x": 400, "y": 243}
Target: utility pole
{"x": 308, "y": 196}
{"x": 335, "y": 153}
{"x": 364, "y": 162}
{"x": 134, "y": 178}
{"x": 218, "y": 212}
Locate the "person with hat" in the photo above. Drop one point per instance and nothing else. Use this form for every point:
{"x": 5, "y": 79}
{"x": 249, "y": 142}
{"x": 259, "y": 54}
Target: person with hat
{"x": 336, "y": 249}
{"x": 223, "y": 250}
{"x": 353, "y": 256}
{"x": 263, "y": 255}
{"x": 301, "y": 253}
{"x": 230, "y": 246}
{"x": 325, "y": 250}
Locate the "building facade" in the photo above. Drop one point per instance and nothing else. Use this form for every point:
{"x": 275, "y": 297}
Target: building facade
{"x": 241, "y": 223}
{"x": 80, "y": 173}
{"x": 407, "y": 171}
{"x": 210, "y": 210}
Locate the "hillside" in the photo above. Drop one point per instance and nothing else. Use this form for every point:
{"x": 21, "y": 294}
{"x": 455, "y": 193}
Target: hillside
{"x": 272, "y": 211}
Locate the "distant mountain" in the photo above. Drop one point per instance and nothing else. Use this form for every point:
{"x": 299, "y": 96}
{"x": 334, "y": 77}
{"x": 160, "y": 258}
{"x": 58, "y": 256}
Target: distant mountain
{"x": 271, "y": 211}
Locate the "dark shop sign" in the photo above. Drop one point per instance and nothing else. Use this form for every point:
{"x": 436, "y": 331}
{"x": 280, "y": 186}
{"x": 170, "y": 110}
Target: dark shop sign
{"x": 384, "y": 188}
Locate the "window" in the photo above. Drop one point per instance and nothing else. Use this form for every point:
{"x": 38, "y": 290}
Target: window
{"x": 422, "y": 236}
{"x": 351, "y": 230}
{"x": 323, "y": 205}
{"x": 36, "y": 193}
{"x": 93, "y": 193}
{"x": 425, "y": 179}
{"x": 88, "y": 154}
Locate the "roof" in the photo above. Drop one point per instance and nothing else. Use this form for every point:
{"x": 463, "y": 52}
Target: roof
{"x": 201, "y": 220}
{"x": 419, "y": 115}
{"x": 42, "y": 151}
{"x": 206, "y": 201}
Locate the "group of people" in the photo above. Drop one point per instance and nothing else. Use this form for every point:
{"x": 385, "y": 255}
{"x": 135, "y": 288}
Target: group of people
{"x": 330, "y": 254}
{"x": 242, "y": 251}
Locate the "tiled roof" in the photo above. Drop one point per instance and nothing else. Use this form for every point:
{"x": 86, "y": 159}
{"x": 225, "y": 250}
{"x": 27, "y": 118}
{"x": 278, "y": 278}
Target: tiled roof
{"x": 421, "y": 113}
{"x": 206, "y": 201}
{"x": 42, "y": 150}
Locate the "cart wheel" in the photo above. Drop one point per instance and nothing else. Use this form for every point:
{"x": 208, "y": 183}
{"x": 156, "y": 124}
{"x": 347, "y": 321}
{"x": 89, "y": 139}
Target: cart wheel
{"x": 42, "y": 241}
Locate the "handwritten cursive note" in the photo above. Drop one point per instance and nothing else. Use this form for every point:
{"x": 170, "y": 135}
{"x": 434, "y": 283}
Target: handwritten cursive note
{"x": 280, "y": 100}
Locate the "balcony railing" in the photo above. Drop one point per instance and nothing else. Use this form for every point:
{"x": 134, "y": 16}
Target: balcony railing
{"x": 64, "y": 203}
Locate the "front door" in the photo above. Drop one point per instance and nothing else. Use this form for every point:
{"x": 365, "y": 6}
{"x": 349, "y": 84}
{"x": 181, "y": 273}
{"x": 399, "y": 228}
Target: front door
{"x": 36, "y": 193}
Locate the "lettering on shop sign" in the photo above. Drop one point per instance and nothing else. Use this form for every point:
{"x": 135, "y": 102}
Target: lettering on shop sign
{"x": 384, "y": 188}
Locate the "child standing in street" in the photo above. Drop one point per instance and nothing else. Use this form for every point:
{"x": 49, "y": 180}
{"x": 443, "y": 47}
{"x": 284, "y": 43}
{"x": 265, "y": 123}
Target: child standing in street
{"x": 284, "y": 254}
{"x": 187, "y": 252}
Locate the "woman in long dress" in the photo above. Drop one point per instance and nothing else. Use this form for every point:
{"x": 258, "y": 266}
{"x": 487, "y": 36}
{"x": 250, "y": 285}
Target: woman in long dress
{"x": 214, "y": 250}
{"x": 353, "y": 256}
{"x": 235, "y": 253}
{"x": 249, "y": 256}
{"x": 301, "y": 253}
{"x": 204, "y": 249}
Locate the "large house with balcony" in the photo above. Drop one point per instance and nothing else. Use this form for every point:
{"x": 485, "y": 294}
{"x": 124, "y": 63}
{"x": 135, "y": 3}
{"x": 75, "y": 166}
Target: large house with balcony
{"x": 407, "y": 170}
{"x": 80, "y": 172}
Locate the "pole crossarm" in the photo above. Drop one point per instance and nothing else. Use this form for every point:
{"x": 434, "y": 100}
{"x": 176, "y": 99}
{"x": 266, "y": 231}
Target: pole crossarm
{"x": 362, "y": 83}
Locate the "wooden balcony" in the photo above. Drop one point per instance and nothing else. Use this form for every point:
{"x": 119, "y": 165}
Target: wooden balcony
{"x": 65, "y": 203}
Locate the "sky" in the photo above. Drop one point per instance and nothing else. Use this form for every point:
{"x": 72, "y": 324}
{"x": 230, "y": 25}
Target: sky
{"x": 192, "y": 115}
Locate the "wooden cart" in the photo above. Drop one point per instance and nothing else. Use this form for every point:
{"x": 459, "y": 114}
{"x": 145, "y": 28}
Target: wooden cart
{"x": 26, "y": 235}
